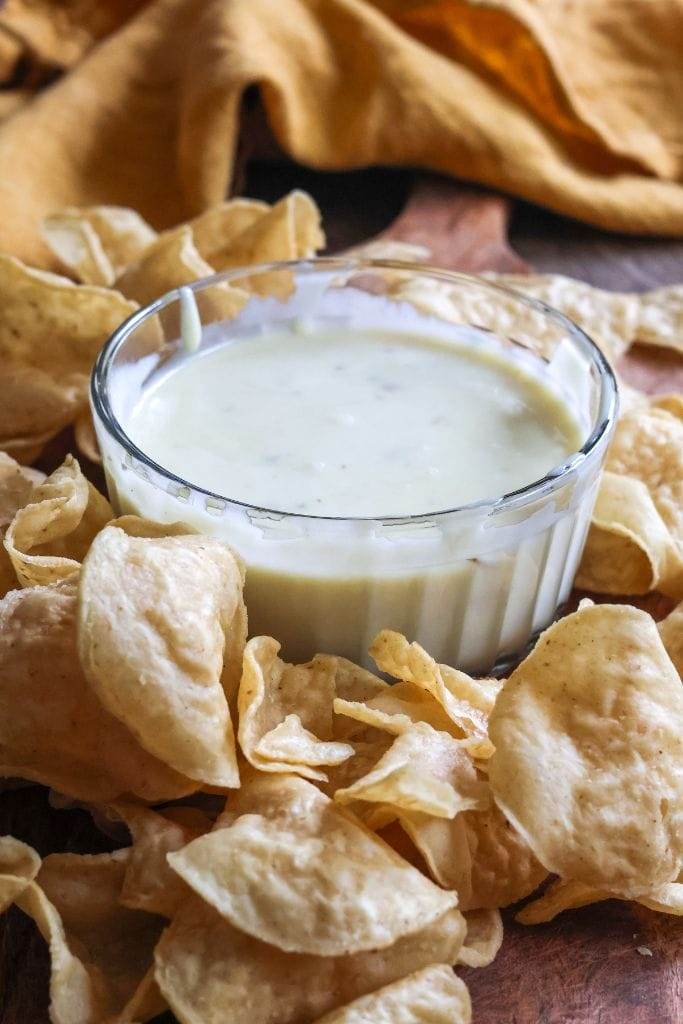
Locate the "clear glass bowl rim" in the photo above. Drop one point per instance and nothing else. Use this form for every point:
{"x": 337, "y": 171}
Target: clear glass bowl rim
{"x": 553, "y": 480}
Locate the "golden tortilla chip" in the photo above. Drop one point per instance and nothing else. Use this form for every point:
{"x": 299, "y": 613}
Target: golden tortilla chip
{"x": 423, "y": 770}
{"x": 211, "y": 973}
{"x": 50, "y": 333}
{"x": 671, "y": 632}
{"x": 296, "y": 871}
{"x": 215, "y": 229}
{"x": 660, "y": 318}
{"x": 588, "y": 733}
{"x": 285, "y": 712}
{"x": 49, "y": 537}
{"x": 629, "y": 548}
{"x": 452, "y": 689}
{"x": 86, "y": 438}
{"x": 19, "y": 865}
{"x": 16, "y": 485}
{"x": 100, "y": 951}
{"x": 78, "y": 247}
{"x": 172, "y": 260}
{"x": 53, "y": 730}
{"x": 121, "y": 234}
{"x": 559, "y": 896}
{"x": 433, "y": 995}
{"x": 289, "y": 230}
{"x": 155, "y": 618}
{"x": 483, "y": 939}
{"x": 668, "y": 899}
{"x": 149, "y": 883}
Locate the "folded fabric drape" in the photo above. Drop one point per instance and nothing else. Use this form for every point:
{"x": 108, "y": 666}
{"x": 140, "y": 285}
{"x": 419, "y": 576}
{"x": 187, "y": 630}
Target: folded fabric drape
{"x": 573, "y": 104}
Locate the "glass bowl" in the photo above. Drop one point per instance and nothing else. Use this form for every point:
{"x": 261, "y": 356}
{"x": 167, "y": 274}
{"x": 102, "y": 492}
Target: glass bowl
{"x": 471, "y": 583}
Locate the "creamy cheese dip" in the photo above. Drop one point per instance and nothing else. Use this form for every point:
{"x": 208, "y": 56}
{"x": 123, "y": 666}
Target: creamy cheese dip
{"x": 350, "y": 422}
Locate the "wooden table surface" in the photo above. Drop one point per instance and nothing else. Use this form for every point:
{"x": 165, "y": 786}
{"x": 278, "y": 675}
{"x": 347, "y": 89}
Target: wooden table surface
{"x": 584, "y": 967}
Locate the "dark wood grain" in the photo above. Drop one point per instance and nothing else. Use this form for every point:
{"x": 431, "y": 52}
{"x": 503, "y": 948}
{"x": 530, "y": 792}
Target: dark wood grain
{"x": 582, "y": 968}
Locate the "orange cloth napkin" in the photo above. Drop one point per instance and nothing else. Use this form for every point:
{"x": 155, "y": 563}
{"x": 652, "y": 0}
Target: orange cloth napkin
{"x": 575, "y": 104}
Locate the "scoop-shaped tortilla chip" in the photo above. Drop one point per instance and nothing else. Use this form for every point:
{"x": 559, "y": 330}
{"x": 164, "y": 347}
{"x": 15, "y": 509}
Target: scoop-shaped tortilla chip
{"x": 100, "y": 951}
{"x": 671, "y": 632}
{"x": 215, "y": 229}
{"x": 434, "y": 995}
{"x": 629, "y": 547}
{"x": 155, "y": 617}
{"x": 16, "y": 486}
{"x": 483, "y": 939}
{"x": 149, "y": 883}
{"x": 48, "y": 538}
{"x": 588, "y": 733}
{"x": 451, "y": 688}
{"x": 50, "y": 334}
{"x": 289, "y": 230}
{"x": 53, "y": 729}
{"x": 121, "y": 238}
{"x": 423, "y": 770}
{"x": 285, "y": 712}
{"x": 19, "y": 865}
{"x": 210, "y": 973}
{"x": 296, "y": 871}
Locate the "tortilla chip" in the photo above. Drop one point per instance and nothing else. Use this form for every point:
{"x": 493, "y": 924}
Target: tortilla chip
{"x": 155, "y": 618}
{"x": 671, "y": 632}
{"x": 629, "y": 548}
{"x": 433, "y": 995}
{"x": 483, "y": 939}
{"x": 285, "y": 712}
{"x": 49, "y": 537}
{"x": 16, "y": 485}
{"x": 451, "y": 688}
{"x": 86, "y": 438}
{"x": 660, "y": 318}
{"x": 78, "y": 247}
{"x": 19, "y": 865}
{"x": 289, "y": 230}
{"x": 211, "y": 973}
{"x": 50, "y": 334}
{"x": 215, "y": 229}
{"x": 53, "y": 730}
{"x": 297, "y": 872}
{"x": 423, "y": 770}
{"x": 588, "y": 733}
{"x": 100, "y": 950}
{"x": 122, "y": 236}
{"x": 559, "y": 896}
{"x": 172, "y": 260}
{"x": 149, "y": 883}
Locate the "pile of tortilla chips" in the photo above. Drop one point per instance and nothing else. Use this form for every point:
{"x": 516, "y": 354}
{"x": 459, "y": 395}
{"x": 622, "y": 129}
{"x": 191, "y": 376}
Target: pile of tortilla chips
{"x": 307, "y": 843}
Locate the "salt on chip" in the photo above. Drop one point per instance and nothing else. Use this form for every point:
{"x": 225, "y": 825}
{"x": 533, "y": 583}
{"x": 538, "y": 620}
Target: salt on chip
{"x": 49, "y": 537}
{"x": 155, "y": 617}
{"x": 423, "y": 770}
{"x": 285, "y": 712}
{"x": 149, "y": 883}
{"x": 209, "y": 972}
{"x": 122, "y": 236}
{"x": 296, "y": 871}
{"x": 588, "y": 732}
{"x": 53, "y": 729}
{"x": 434, "y": 995}
{"x": 629, "y": 548}
{"x": 101, "y": 952}
{"x": 50, "y": 334}
{"x": 451, "y": 688}
{"x": 19, "y": 865}
{"x": 483, "y": 939}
